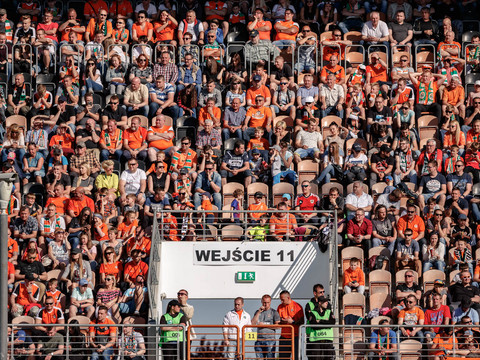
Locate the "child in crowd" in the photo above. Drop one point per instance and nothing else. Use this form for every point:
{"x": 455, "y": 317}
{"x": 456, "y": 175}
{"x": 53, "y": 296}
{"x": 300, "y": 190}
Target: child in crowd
{"x": 261, "y": 230}
{"x": 236, "y": 205}
{"x": 354, "y": 278}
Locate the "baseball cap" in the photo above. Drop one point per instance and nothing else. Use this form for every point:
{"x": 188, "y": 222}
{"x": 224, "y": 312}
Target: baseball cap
{"x": 207, "y": 194}
{"x": 83, "y": 282}
{"x": 253, "y": 33}
{"x": 357, "y": 147}
{"x": 258, "y": 194}
{"x": 57, "y": 151}
{"x": 356, "y": 109}
{"x": 477, "y": 83}
{"x": 62, "y": 99}
{"x": 255, "y": 151}
{"x": 257, "y": 78}
{"x": 439, "y": 282}
{"x": 385, "y": 148}
{"x": 309, "y": 99}
{"x": 20, "y": 335}
{"x": 462, "y": 217}
{"x": 276, "y": 147}
{"x": 183, "y": 171}
{"x": 3, "y": 11}
{"x": 363, "y": 67}
{"x": 322, "y": 299}
{"x": 286, "y": 196}
{"x": 81, "y": 145}
{"x": 388, "y": 177}
{"x": 11, "y": 156}
{"x": 353, "y": 117}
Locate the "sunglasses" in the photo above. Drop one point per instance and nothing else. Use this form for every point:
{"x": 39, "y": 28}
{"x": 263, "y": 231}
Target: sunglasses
{"x": 142, "y": 60}
{"x": 448, "y": 111}
{"x": 208, "y": 168}
{"x": 182, "y": 294}
{"x": 438, "y": 214}
{"x": 185, "y": 143}
{"x": 410, "y": 302}
{"x": 408, "y": 275}
{"x": 476, "y": 102}
{"x": 108, "y": 279}
{"x": 403, "y": 60}
{"x": 132, "y": 164}
{"x": 109, "y": 253}
{"x": 337, "y": 35}
{"x": 410, "y": 212}
{"x": 305, "y": 186}
{"x": 48, "y": 303}
{"x": 284, "y": 83}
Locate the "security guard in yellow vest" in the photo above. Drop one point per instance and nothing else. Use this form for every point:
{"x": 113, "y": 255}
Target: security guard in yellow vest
{"x": 320, "y": 339}
{"x": 171, "y": 337}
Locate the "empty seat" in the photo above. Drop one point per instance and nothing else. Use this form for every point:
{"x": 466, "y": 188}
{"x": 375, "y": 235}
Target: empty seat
{"x": 307, "y": 170}
{"x": 232, "y": 233}
{"x": 282, "y": 188}
{"x": 380, "y": 282}
{"x": 380, "y": 300}
{"x": 354, "y": 304}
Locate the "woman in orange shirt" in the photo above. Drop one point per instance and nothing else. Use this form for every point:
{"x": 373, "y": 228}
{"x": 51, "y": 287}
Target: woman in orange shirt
{"x": 110, "y": 265}
{"x": 142, "y": 27}
{"x": 454, "y": 136}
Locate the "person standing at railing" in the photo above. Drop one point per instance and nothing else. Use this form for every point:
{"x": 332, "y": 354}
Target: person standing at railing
{"x": 132, "y": 343}
{"x": 291, "y": 313}
{"x": 171, "y": 337}
{"x": 383, "y": 342}
{"x": 265, "y": 315}
{"x": 238, "y": 317}
{"x": 320, "y": 339}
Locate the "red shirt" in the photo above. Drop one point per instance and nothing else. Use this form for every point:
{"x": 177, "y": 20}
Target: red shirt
{"x": 353, "y": 228}
{"x": 309, "y": 202}
{"x": 76, "y": 205}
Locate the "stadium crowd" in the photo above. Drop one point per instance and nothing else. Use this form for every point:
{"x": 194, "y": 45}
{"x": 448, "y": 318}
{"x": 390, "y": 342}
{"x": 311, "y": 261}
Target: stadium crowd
{"x": 111, "y": 113}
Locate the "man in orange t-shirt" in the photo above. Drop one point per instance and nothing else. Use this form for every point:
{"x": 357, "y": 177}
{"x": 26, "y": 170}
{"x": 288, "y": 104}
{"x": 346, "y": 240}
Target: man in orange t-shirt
{"x": 93, "y": 7}
{"x": 258, "y": 89}
{"x": 287, "y": 31}
{"x": 165, "y": 28}
{"x": 449, "y": 47}
{"x": 102, "y": 337}
{"x": 411, "y": 320}
{"x": 263, "y": 27}
{"x": 333, "y": 68}
{"x": 454, "y": 95}
{"x": 160, "y": 138}
{"x": 135, "y": 141}
{"x": 135, "y": 267}
{"x": 376, "y": 73}
{"x": 291, "y": 313}
{"x": 257, "y": 115}
{"x": 78, "y": 202}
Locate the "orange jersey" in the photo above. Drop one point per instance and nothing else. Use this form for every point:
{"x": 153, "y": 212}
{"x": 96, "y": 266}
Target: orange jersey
{"x": 64, "y": 141}
{"x": 166, "y": 33}
{"x": 446, "y": 46}
{"x": 114, "y": 269}
{"x": 257, "y": 207}
{"x": 125, "y": 228}
{"x": 57, "y": 295}
{"x": 259, "y": 117}
{"x": 293, "y": 310}
{"x": 135, "y": 139}
{"x": 263, "y": 35}
{"x": 161, "y": 144}
{"x": 283, "y": 225}
{"x": 260, "y": 144}
{"x": 378, "y": 73}
{"x": 288, "y": 24}
{"x": 204, "y": 115}
{"x": 338, "y": 71}
{"x": 454, "y": 96}
{"x": 143, "y": 32}
{"x": 92, "y": 8}
{"x": 51, "y": 317}
{"x": 59, "y": 202}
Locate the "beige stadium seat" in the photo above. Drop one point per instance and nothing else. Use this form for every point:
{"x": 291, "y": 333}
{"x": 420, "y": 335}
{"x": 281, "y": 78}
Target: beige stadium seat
{"x": 354, "y": 303}
{"x": 253, "y": 188}
{"x": 380, "y": 282}
{"x": 228, "y": 190}
{"x": 349, "y": 253}
{"x": 232, "y": 233}
{"x": 429, "y": 278}
{"x": 282, "y": 188}
{"x": 380, "y": 300}
{"x": 400, "y": 276}
{"x": 326, "y": 188}
{"x": 307, "y": 170}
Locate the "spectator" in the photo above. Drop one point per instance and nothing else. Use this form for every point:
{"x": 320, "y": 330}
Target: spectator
{"x": 208, "y": 181}
{"x": 426, "y": 85}
{"x": 82, "y": 300}
{"x": 354, "y": 278}
{"x": 102, "y": 338}
{"x": 384, "y": 340}
{"x": 408, "y": 251}
{"x": 432, "y": 185}
{"x": 433, "y": 253}
{"x": 438, "y": 314}
{"x": 359, "y": 231}
{"x": 136, "y": 98}
{"x": 375, "y": 31}
{"x": 332, "y": 97}
{"x": 162, "y": 99}
{"x": 412, "y": 318}
{"x": 287, "y": 31}
{"x": 160, "y": 138}
{"x": 358, "y": 199}
{"x": 384, "y": 231}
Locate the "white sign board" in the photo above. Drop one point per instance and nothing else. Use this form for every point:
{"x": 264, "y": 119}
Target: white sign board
{"x": 227, "y": 254}
{"x": 208, "y": 270}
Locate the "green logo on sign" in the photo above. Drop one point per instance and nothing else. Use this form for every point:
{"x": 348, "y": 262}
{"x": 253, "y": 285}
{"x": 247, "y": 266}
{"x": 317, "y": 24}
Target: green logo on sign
{"x": 245, "y": 276}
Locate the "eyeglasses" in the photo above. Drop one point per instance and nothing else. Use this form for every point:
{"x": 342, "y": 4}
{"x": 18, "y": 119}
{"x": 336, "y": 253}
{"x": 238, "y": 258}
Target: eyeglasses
{"x": 258, "y": 101}
{"x": 187, "y": 38}
{"x": 142, "y": 60}
{"x": 182, "y": 194}
{"x": 109, "y": 253}
{"x": 182, "y": 294}
{"x": 113, "y": 103}
{"x": 439, "y": 214}
{"x": 477, "y": 102}
{"x": 337, "y": 35}
{"x": 403, "y": 60}
{"x": 410, "y": 212}
{"x": 48, "y": 303}
{"x": 410, "y": 302}
{"x": 211, "y": 36}
{"x": 284, "y": 83}
{"x": 32, "y": 257}
{"x": 458, "y": 165}
{"x": 141, "y": 17}
{"x": 132, "y": 164}
{"x": 208, "y": 168}
{"x": 448, "y": 111}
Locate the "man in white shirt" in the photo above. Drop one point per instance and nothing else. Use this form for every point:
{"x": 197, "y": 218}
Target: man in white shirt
{"x": 309, "y": 143}
{"x": 358, "y": 199}
{"x": 194, "y": 27}
{"x": 375, "y": 31}
{"x": 332, "y": 97}
{"x": 238, "y": 317}
{"x": 133, "y": 181}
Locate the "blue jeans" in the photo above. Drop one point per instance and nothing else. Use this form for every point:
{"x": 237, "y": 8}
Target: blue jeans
{"x": 288, "y": 176}
{"x": 436, "y": 264}
{"x": 329, "y": 109}
{"x": 351, "y": 25}
{"x": 425, "y": 42}
{"x": 142, "y": 155}
{"x": 326, "y": 174}
{"x": 141, "y": 111}
{"x": 284, "y": 44}
{"x": 105, "y": 355}
{"x": 172, "y": 111}
{"x": 20, "y": 153}
{"x": 91, "y": 86}
{"x": 105, "y": 154}
{"x": 369, "y": 5}
{"x": 227, "y": 134}
{"x": 418, "y": 336}
{"x": 265, "y": 349}
{"x": 411, "y": 176}
{"x": 390, "y": 245}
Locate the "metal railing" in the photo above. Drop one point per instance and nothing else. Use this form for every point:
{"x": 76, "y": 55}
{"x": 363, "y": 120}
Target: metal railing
{"x": 154, "y": 266}
{"x": 334, "y": 341}
{"x": 355, "y": 342}
{"x": 220, "y": 225}
{"x": 72, "y": 341}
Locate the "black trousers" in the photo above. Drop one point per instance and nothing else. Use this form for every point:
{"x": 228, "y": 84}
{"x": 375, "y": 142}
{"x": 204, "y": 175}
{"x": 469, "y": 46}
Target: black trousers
{"x": 320, "y": 349}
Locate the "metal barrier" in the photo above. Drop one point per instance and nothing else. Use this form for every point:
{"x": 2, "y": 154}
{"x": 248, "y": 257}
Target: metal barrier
{"x": 145, "y": 49}
{"x": 235, "y": 47}
{"x": 124, "y": 48}
{"x": 162, "y": 46}
{"x": 216, "y": 225}
{"x": 219, "y": 47}
{"x": 322, "y": 64}
{"x": 307, "y": 55}
{"x": 209, "y": 342}
{"x": 73, "y": 341}
{"x": 355, "y": 342}
{"x": 258, "y": 345}
{"x": 434, "y": 54}
{"x": 77, "y": 58}
{"x": 268, "y": 62}
{"x": 53, "y": 56}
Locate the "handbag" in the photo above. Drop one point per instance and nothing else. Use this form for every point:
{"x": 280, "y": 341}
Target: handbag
{"x": 338, "y": 172}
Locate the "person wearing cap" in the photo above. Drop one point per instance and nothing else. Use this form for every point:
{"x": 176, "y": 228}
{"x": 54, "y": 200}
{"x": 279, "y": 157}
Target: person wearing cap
{"x": 259, "y": 50}
{"x": 356, "y": 164}
{"x": 261, "y": 26}
{"x": 239, "y": 317}
{"x": 83, "y": 156}
{"x": 465, "y": 311}
{"x": 320, "y": 338}
{"x": 433, "y": 185}
{"x": 308, "y": 112}
{"x": 257, "y": 205}
{"x": 332, "y": 96}
{"x": 454, "y": 95}
{"x": 25, "y": 292}
{"x": 286, "y": 31}
{"x": 23, "y": 346}
{"x": 381, "y": 165}
{"x": 257, "y": 89}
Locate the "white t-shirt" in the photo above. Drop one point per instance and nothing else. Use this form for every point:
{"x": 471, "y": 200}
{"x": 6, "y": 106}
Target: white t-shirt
{"x": 132, "y": 180}
{"x": 310, "y": 139}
